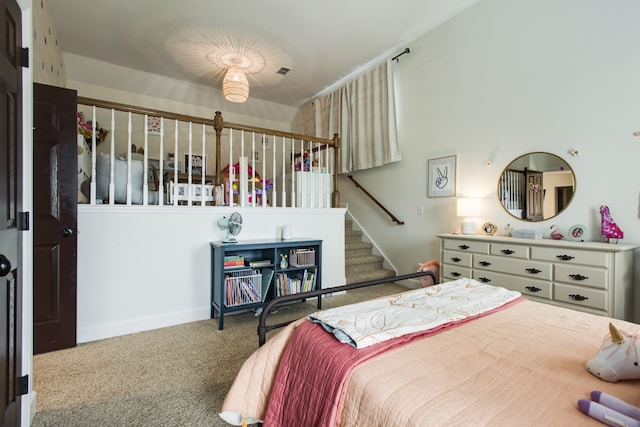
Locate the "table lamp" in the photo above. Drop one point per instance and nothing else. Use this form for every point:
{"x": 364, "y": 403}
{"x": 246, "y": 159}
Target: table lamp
{"x": 468, "y": 208}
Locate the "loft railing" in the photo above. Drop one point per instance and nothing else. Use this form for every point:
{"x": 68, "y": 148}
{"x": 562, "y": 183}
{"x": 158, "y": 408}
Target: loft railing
{"x": 214, "y": 162}
{"x": 392, "y": 216}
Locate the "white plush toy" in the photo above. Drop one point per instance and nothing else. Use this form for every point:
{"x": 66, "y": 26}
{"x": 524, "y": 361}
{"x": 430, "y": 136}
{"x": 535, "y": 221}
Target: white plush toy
{"x": 617, "y": 358}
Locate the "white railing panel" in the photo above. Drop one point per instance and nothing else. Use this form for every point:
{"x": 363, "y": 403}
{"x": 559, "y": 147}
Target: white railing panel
{"x": 128, "y": 167}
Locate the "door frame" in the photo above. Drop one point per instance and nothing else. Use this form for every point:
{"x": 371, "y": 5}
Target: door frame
{"x": 25, "y": 204}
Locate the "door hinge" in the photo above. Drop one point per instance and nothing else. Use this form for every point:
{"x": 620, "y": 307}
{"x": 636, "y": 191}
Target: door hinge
{"x": 23, "y": 221}
{"x": 23, "y": 385}
{"x": 24, "y": 59}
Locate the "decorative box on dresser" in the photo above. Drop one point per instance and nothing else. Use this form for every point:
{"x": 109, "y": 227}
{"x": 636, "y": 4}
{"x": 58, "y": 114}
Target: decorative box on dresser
{"x": 588, "y": 276}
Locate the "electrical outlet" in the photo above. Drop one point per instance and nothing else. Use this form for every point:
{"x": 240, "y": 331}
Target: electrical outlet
{"x": 420, "y": 209}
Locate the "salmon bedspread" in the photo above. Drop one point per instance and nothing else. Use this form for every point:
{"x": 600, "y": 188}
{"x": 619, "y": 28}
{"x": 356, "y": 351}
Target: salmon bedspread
{"x": 524, "y": 365}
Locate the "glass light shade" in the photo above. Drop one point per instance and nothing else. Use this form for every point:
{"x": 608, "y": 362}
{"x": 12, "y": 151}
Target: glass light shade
{"x": 235, "y": 85}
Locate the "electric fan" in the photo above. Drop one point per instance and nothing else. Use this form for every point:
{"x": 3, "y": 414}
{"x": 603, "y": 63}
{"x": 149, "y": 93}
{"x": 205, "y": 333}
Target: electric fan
{"x": 233, "y": 225}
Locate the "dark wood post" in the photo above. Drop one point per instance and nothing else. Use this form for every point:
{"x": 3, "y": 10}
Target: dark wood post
{"x": 218, "y": 125}
{"x": 336, "y": 167}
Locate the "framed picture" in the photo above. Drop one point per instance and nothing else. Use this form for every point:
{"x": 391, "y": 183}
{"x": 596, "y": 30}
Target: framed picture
{"x": 197, "y": 163}
{"x": 153, "y": 125}
{"x": 441, "y": 181}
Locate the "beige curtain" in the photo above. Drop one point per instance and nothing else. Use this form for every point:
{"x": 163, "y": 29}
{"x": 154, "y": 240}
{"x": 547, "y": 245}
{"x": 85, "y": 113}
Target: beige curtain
{"x": 362, "y": 113}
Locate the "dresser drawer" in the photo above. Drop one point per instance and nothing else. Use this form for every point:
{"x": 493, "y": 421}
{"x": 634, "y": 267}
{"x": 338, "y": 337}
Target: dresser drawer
{"x": 580, "y": 296}
{"x": 511, "y": 251}
{"x": 532, "y": 269}
{"x": 582, "y": 276}
{"x": 524, "y": 285}
{"x": 457, "y": 258}
{"x": 454, "y": 271}
{"x": 571, "y": 256}
{"x": 466, "y": 245}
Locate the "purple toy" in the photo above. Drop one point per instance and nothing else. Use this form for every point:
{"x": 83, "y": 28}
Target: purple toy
{"x": 610, "y": 410}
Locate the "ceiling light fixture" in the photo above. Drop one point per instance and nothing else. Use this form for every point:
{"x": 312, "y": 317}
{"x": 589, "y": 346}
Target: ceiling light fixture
{"x": 235, "y": 85}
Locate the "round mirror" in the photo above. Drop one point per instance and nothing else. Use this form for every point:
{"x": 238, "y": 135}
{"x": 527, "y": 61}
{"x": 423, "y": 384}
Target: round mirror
{"x": 536, "y": 186}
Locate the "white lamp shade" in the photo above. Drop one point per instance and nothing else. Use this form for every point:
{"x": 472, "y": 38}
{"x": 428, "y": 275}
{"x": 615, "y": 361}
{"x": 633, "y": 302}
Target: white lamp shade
{"x": 235, "y": 85}
{"x": 468, "y": 208}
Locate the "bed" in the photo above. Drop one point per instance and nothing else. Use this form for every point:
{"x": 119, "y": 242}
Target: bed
{"x": 521, "y": 363}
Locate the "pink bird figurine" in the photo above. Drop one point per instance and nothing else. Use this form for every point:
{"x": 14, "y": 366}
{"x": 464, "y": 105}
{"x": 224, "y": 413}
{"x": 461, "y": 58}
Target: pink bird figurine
{"x": 554, "y": 233}
{"x": 610, "y": 229}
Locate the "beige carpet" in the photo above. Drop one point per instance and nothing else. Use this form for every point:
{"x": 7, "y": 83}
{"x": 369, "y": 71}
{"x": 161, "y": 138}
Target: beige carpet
{"x": 176, "y": 376}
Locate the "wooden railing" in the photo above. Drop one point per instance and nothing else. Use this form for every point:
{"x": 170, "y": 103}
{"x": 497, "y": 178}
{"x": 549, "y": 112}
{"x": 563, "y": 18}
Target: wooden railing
{"x": 248, "y": 174}
{"x": 393, "y": 217}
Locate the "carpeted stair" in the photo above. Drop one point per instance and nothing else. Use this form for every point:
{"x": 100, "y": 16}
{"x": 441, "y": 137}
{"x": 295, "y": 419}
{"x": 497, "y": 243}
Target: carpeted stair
{"x": 360, "y": 263}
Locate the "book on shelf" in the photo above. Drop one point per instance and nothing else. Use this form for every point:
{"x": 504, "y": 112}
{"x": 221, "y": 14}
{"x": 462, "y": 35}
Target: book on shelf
{"x": 304, "y": 281}
{"x": 258, "y": 262}
{"x": 267, "y": 275}
{"x": 231, "y": 261}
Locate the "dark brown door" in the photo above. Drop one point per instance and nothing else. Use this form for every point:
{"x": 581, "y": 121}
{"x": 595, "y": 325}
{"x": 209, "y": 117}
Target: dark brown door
{"x": 535, "y": 196}
{"x": 10, "y": 203}
{"x": 55, "y": 197}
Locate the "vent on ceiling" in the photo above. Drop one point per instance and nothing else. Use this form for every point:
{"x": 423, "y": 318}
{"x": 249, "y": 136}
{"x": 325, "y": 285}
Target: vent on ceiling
{"x": 284, "y": 70}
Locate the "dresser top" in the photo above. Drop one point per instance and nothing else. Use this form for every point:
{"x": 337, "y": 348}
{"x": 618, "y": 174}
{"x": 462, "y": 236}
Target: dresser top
{"x": 594, "y": 246}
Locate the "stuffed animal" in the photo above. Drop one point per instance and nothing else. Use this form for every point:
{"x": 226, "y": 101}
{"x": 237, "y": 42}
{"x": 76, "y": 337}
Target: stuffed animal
{"x": 610, "y": 410}
{"x": 431, "y": 265}
{"x": 617, "y": 358}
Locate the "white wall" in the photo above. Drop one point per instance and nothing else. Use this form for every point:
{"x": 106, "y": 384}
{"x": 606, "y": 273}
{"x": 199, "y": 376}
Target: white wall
{"x": 501, "y": 79}
{"x": 142, "y": 268}
{"x": 110, "y": 82}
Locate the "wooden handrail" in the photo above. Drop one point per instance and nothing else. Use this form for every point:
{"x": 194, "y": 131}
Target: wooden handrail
{"x": 393, "y": 217}
{"x": 263, "y": 328}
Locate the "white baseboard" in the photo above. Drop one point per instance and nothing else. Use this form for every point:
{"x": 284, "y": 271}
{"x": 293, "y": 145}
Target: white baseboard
{"x": 115, "y": 329}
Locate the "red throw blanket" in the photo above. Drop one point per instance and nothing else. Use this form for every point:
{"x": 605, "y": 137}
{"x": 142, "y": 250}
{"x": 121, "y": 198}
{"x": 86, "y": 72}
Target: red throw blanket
{"x": 314, "y": 369}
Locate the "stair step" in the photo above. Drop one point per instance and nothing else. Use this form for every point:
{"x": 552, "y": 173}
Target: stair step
{"x": 362, "y": 260}
{"x": 354, "y": 246}
{"x": 364, "y": 276}
{"x": 360, "y": 263}
{"x": 357, "y": 252}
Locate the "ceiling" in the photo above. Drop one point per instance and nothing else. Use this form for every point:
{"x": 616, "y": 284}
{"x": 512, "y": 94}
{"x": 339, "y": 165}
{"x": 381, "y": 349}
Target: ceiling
{"x": 321, "y": 42}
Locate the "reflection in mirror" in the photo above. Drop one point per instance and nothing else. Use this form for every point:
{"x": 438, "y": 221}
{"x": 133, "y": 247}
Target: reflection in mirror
{"x": 536, "y": 186}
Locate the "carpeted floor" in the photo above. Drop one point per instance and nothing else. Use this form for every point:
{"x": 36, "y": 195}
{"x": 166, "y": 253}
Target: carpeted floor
{"x": 176, "y": 376}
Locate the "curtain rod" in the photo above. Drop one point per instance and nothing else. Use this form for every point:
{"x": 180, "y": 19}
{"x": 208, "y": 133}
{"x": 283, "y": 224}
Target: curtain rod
{"x": 396, "y": 58}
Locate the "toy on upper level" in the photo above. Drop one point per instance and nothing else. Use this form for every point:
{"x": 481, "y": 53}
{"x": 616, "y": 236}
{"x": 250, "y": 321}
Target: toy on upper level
{"x": 610, "y": 410}
{"x": 431, "y": 265}
{"x": 610, "y": 229}
{"x": 617, "y": 358}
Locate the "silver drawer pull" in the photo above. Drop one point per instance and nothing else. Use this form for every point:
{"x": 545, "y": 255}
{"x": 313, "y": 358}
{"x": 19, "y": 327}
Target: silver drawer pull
{"x": 534, "y": 270}
{"x": 564, "y": 257}
{"x": 533, "y": 288}
{"x": 508, "y": 251}
{"x": 484, "y": 263}
{"x": 578, "y": 277}
{"x": 484, "y": 279}
{"x": 455, "y": 259}
{"x": 578, "y": 297}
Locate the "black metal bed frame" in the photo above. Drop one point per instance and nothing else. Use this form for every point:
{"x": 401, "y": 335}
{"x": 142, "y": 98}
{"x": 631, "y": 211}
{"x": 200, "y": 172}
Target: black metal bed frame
{"x": 263, "y": 328}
